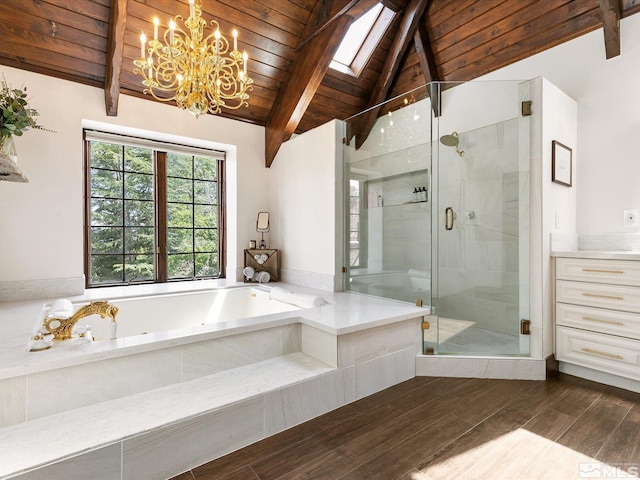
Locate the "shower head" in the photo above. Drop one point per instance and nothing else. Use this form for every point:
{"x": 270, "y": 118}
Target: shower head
{"x": 452, "y": 141}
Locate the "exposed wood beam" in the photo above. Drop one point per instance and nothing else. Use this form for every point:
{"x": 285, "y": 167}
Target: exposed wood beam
{"x": 428, "y": 64}
{"x": 115, "y": 49}
{"x": 610, "y": 10}
{"x": 309, "y": 67}
{"x": 408, "y": 26}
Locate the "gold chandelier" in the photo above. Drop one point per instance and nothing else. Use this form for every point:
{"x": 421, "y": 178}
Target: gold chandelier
{"x": 202, "y": 74}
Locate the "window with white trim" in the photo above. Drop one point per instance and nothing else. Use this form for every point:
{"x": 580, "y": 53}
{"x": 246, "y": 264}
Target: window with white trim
{"x": 153, "y": 211}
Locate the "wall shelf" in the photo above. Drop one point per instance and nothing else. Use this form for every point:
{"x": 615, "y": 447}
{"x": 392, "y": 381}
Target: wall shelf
{"x": 396, "y": 189}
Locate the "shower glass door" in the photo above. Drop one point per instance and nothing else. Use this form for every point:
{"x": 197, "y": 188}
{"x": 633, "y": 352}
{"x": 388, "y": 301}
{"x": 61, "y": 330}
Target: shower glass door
{"x": 480, "y": 220}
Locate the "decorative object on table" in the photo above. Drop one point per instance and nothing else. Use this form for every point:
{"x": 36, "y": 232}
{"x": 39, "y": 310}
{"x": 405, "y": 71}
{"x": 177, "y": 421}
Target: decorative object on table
{"x": 259, "y": 260}
{"x": 262, "y": 226}
{"x": 561, "y": 163}
{"x": 248, "y": 273}
{"x": 202, "y": 74}
{"x": 252, "y": 244}
{"x": 262, "y": 277}
{"x": 15, "y": 118}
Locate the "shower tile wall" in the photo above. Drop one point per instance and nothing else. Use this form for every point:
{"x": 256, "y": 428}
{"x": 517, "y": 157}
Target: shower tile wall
{"x": 398, "y": 226}
{"x": 399, "y": 237}
{"x": 478, "y": 275}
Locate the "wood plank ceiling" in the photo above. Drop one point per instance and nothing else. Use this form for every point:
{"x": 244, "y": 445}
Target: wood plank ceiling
{"x": 290, "y": 43}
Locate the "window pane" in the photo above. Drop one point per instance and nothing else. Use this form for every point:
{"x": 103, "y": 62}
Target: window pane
{"x": 179, "y": 165}
{"x": 181, "y": 266}
{"x": 206, "y": 265}
{"x": 138, "y": 186}
{"x": 179, "y": 215}
{"x": 354, "y": 205}
{"x": 205, "y": 216}
{"x": 138, "y": 268}
{"x": 354, "y": 257}
{"x": 205, "y": 192}
{"x": 106, "y": 155}
{"x": 106, "y": 269}
{"x": 138, "y": 160}
{"x": 138, "y": 213}
{"x": 106, "y": 183}
{"x": 106, "y": 212}
{"x": 180, "y": 240}
{"x": 205, "y": 168}
{"x": 179, "y": 190}
{"x": 206, "y": 240}
{"x": 139, "y": 240}
{"x": 356, "y": 35}
{"x": 106, "y": 240}
{"x": 354, "y": 222}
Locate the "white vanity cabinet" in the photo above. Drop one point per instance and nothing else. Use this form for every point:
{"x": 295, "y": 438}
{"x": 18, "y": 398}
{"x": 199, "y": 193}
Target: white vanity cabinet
{"x": 597, "y": 314}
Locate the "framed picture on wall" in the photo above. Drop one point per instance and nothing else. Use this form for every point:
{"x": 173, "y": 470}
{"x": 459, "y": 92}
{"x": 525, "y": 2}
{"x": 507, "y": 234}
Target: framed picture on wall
{"x": 561, "y": 163}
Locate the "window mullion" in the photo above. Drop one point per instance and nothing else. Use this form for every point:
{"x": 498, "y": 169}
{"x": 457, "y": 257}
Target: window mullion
{"x": 123, "y": 221}
{"x": 162, "y": 260}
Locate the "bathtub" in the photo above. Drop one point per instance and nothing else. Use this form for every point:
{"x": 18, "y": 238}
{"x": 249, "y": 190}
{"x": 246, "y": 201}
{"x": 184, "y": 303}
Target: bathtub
{"x": 148, "y": 314}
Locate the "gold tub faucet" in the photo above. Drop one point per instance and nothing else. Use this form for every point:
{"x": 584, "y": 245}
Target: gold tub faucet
{"x": 61, "y": 328}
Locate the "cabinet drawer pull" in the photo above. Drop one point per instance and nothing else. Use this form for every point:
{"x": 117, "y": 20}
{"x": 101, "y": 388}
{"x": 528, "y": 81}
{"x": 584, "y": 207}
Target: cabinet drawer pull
{"x": 597, "y": 270}
{"x": 608, "y": 297}
{"x": 603, "y": 354}
{"x": 599, "y": 320}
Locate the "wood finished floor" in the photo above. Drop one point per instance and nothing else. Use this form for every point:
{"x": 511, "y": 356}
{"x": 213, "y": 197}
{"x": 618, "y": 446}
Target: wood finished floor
{"x": 454, "y": 429}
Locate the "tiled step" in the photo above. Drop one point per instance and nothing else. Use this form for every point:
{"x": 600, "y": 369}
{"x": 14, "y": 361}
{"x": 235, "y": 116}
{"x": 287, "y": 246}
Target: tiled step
{"x": 208, "y": 417}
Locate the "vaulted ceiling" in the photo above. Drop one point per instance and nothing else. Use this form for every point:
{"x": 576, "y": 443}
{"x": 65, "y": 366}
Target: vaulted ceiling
{"x": 291, "y": 42}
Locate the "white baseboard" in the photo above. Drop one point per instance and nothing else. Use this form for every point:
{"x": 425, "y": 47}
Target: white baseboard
{"x": 522, "y": 368}
{"x": 600, "y": 377}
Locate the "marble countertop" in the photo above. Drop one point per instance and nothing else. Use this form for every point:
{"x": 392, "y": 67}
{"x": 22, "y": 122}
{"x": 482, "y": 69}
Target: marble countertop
{"x": 345, "y": 313}
{"x": 601, "y": 254}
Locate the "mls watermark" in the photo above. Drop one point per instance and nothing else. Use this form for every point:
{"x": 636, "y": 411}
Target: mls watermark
{"x": 606, "y": 470}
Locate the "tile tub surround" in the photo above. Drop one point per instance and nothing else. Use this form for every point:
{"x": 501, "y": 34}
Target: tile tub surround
{"x": 369, "y": 357}
{"x": 26, "y": 289}
{"x": 345, "y": 313}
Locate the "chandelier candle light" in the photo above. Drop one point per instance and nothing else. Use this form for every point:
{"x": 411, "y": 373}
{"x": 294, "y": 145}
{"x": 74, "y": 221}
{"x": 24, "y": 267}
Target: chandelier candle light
{"x": 202, "y": 74}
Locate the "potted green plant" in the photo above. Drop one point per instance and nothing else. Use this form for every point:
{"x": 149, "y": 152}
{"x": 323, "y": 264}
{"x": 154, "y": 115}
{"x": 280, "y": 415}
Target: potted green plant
{"x": 15, "y": 118}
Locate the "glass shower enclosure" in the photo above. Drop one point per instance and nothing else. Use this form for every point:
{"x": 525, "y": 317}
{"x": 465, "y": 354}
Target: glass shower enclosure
{"x": 438, "y": 212}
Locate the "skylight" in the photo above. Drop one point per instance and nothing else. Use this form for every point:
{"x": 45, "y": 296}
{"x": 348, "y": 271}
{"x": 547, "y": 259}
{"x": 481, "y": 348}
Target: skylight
{"x": 361, "y": 39}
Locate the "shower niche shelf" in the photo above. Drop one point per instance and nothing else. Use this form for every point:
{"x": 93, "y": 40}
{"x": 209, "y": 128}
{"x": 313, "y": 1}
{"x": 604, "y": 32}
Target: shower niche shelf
{"x": 397, "y": 189}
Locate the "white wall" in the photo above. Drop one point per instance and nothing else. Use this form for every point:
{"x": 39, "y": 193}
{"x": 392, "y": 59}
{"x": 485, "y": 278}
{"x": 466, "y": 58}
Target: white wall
{"x": 558, "y": 121}
{"x": 305, "y": 185}
{"x": 608, "y": 98}
{"x": 41, "y": 222}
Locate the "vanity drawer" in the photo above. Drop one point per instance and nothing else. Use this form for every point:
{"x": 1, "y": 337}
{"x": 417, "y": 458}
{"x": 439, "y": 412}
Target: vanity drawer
{"x": 596, "y": 295}
{"x": 603, "y": 321}
{"x": 616, "y": 355}
{"x": 617, "y": 272}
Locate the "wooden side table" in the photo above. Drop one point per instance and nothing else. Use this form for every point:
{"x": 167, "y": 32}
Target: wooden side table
{"x": 263, "y": 260}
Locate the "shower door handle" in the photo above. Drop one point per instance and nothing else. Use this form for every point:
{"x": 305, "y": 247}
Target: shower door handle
{"x": 449, "y": 216}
